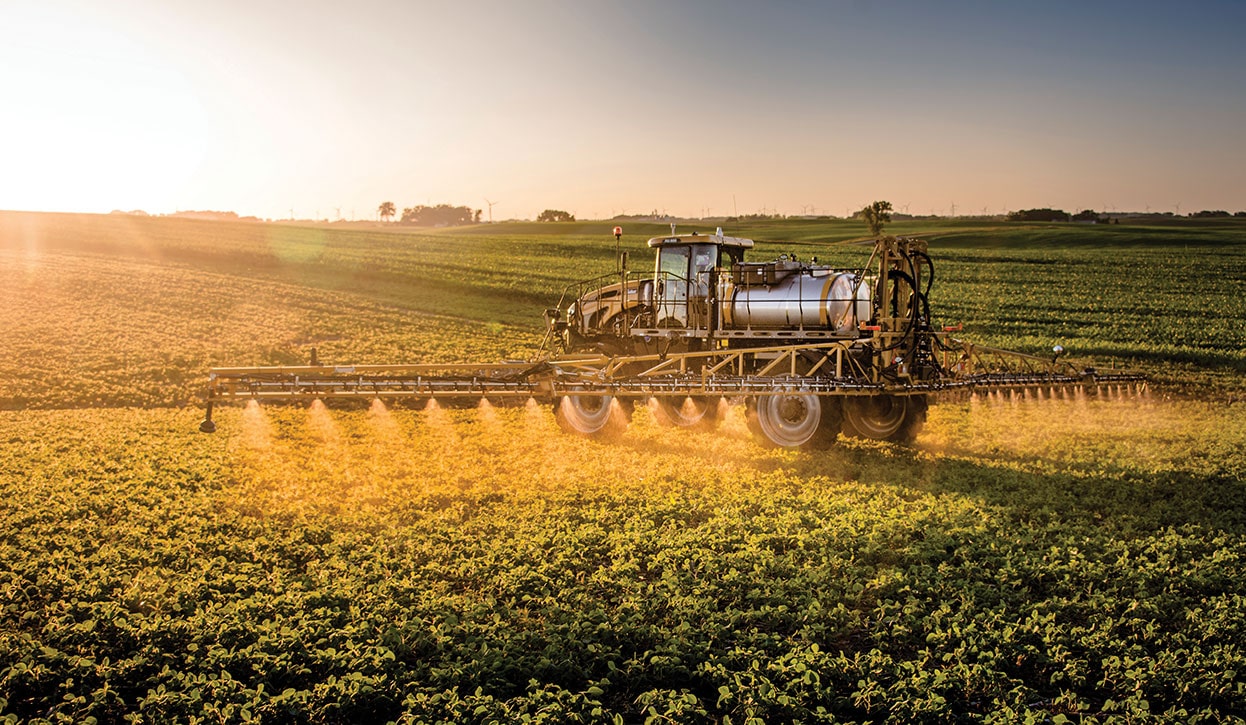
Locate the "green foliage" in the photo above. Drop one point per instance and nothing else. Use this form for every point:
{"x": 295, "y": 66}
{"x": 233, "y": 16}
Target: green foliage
{"x": 1078, "y": 559}
{"x": 476, "y": 566}
{"x": 1039, "y": 215}
{"x": 555, "y": 215}
{"x": 875, "y": 216}
{"x": 442, "y": 215}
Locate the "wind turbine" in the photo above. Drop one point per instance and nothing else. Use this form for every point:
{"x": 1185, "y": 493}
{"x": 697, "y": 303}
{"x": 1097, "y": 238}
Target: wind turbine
{"x": 490, "y": 203}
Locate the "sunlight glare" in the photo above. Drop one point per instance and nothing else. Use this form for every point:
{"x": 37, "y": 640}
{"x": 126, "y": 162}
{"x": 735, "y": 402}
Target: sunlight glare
{"x": 103, "y": 123}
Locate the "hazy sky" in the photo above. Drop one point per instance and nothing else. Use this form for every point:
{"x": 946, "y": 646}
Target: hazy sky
{"x": 273, "y": 108}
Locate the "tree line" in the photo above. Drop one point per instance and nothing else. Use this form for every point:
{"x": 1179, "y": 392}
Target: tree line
{"x": 441, "y": 215}
{"x": 875, "y": 215}
{"x": 446, "y": 215}
{"x": 1054, "y": 215}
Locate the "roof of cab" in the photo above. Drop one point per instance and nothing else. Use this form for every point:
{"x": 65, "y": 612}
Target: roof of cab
{"x": 695, "y": 238}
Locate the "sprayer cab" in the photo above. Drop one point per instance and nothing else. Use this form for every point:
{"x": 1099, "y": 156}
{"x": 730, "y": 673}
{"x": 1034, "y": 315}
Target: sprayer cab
{"x": 683, "y": 291}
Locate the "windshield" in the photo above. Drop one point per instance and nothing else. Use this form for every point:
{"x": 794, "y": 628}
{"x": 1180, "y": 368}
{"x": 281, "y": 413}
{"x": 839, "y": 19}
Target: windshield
{"x": 673, "y": 262}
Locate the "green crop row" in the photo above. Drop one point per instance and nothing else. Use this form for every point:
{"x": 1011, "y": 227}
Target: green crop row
{"x": 333, "y": 566}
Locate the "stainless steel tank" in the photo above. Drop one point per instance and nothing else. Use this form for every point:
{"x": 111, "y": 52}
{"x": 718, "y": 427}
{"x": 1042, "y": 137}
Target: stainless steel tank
{"x": 812, "y": 299}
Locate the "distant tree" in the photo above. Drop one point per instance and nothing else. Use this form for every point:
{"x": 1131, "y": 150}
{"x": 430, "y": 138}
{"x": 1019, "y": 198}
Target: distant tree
{"x": 1088, "y": 215}
{"x": 1038, "y": 215}
{"x": 442, "y": 215}
{"x": 1208, "y": 214}
{"x": 476, "y": 216}
{"x": 555, "y": 215}
{"x": 387, "y": 210}
{"x": 1239, "y": 213}
{"x": 875, "y": 216}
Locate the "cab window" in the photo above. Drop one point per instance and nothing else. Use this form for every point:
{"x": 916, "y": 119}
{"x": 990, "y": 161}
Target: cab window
{"x": 673, "y": 262}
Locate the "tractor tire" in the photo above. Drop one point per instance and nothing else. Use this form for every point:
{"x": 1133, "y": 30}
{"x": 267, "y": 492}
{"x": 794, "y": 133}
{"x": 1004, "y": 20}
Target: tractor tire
{"x": 593, "y": 416}
{"x": 894, "y": 418}
{"x": 688, "y": 413}
{"x": 796, "y": 420}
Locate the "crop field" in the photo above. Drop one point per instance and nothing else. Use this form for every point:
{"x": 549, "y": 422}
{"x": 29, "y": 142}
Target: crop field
{"x": 1044, "y": 558}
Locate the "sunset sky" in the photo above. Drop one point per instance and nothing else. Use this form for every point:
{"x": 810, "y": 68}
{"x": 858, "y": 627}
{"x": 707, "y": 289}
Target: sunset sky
{"x": 329, "y": 108}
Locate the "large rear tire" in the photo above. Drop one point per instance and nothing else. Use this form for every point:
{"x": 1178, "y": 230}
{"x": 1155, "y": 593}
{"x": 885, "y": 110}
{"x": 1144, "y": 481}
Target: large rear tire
{"x": 593, "y": 416}
{"x": 795, "y": 420}
{"x": 688, "y": 413}
{"x": 895, "y": 418}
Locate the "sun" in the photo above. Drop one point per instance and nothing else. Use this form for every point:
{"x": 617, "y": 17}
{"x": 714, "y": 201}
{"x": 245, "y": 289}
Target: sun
{"x": 92, "y": 119}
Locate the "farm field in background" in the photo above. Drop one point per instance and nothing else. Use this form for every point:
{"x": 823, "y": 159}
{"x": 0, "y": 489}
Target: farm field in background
{"x": 1076, "y": 556}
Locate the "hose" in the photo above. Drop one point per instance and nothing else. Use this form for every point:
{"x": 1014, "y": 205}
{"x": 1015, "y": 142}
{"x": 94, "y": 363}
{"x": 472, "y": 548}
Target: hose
{"x": 929, "y": 266}
{"x": 915, "y": 312}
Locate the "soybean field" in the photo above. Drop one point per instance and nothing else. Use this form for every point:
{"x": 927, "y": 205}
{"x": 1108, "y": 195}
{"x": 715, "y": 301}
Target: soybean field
{"x": 1042, "y": 558}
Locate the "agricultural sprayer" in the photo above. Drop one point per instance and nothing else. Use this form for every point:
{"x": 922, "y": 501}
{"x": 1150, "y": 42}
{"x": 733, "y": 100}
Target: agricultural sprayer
{"x": 811, "y": 350}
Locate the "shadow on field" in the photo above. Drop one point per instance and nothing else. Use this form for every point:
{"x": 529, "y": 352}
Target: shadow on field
{"x": 1045, "y": 492}
{"x": 1090, "y": 481}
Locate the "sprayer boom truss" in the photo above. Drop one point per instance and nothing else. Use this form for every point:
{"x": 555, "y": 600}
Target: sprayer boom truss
{"x": 825, "y": 369}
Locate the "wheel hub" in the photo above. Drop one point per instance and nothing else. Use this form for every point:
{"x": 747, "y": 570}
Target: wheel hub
{"x": 792, "y": 409}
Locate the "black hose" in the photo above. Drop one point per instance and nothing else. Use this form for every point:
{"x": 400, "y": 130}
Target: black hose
{"x": 930, "y": 266}
{"x": 915, "y": 310}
